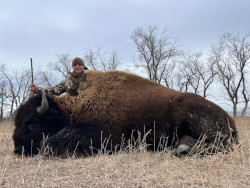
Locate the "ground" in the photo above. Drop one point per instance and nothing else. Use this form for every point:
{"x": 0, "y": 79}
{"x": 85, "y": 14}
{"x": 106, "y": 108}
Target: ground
{"x": 127, "y": 169}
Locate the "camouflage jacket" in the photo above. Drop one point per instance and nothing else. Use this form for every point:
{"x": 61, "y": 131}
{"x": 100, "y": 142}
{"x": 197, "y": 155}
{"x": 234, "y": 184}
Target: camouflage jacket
{"x": 69, "y": 85}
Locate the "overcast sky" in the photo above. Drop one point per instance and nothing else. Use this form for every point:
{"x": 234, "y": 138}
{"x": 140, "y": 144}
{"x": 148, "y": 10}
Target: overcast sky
{"x": 43, "y": 28}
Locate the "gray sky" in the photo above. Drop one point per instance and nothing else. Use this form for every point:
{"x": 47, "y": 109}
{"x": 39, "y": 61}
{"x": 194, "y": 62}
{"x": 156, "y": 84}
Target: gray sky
{"x": 43, "y": 28}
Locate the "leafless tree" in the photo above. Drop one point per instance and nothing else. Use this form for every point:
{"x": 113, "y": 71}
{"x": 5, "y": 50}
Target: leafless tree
{"x": 197, "y": 73}
{"x": 97, "y": 59}
{"x": 10, "y": 94}
{"x": 207, "y": 73}
{"x": 246, "y": 97}
{"x": 188, "y": 69}
{"x": 45, "y": 77}
{"x": 231, "y": 56}
{"x": 155, "y": 51}
{"x": 62, "y": 65}
{"x": 23, "y": 81}
{"x": 184, "y": 78}
{"x": 17, "y": 87}
{"x": 3, "y": 91}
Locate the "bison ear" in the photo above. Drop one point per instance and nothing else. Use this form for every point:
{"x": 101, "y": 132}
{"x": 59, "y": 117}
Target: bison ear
{"x": 34, "y": 128}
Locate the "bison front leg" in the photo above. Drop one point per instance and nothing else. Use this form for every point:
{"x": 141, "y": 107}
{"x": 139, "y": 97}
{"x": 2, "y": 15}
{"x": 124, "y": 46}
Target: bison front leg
{"x": 72, "y": 140}
{"x": 59, "y": 142}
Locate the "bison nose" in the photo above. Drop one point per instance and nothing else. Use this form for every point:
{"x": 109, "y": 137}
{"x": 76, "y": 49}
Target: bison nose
{"x": 17, "y": 151}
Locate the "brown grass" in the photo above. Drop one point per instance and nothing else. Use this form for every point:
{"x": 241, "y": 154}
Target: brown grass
{"x": 127, "y": 169}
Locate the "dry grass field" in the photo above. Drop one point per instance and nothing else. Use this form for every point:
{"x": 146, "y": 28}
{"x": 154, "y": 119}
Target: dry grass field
{"x": 127, "y": 169}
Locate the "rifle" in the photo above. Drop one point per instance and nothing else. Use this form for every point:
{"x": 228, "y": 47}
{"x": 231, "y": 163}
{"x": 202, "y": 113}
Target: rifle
{"x": 32, "y": 78}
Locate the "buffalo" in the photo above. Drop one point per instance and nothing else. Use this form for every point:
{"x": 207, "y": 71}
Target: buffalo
{"x": 112, "y": 105}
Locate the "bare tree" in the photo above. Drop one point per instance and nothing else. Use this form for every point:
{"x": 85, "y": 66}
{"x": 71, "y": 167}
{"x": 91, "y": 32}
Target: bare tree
{"x": 196, "y": 72}
{"x": 207, "y": 73}
{"x": 155, "y": 51}
{"x": 97, "y": 59}
{"x": 169, "y": 75}
{"x": 17, "y": 87}
{"x": 188, "y": 69}
{"x": 246, "y": 97}
{"x": 231, "y": 56}
{"x": 45, "y": 77}
{"x": 113, "y": 60}
{"x": 56, "y": 69}
{"x": 22, "y": 81}
{"x": 91, "y": 58}
{"x": 62, "y": 65}
{"x": 184, "y": 78}
{"x": 3, "y": 92}
{"x": 10, "y": 94}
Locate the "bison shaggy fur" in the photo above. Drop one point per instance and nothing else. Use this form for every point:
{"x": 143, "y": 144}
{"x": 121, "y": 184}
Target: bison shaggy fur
{"x": 112, "y": 104}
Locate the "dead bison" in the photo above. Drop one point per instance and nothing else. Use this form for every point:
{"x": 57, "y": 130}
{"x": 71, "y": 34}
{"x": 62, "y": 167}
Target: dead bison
{"x": 112, "y": 104}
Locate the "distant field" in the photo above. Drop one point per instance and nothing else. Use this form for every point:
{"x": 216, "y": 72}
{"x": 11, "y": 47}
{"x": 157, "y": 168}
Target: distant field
{"x": 132, "y": 169}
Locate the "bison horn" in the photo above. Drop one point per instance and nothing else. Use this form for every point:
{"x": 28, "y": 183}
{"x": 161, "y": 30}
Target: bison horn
{"x": 44, "y": 104}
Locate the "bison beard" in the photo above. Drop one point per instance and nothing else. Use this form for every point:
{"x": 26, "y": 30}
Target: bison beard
{"x": 113, "y": 104}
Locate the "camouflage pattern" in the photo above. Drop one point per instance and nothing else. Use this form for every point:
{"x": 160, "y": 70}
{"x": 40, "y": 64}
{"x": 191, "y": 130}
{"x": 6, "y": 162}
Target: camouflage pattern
{"x": 69, "y": 85}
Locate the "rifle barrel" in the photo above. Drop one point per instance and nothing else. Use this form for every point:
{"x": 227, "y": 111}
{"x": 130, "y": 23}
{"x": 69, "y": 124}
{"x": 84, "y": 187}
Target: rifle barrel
{"x": 32, "y": 78}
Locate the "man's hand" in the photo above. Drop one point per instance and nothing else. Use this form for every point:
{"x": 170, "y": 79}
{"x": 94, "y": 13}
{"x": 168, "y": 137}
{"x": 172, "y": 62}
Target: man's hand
{"x": 33, "y": 88}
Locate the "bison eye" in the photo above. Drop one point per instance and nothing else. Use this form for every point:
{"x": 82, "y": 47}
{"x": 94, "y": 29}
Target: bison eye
{"x": 30, "y": 126}
{"x": 33, "y": 127}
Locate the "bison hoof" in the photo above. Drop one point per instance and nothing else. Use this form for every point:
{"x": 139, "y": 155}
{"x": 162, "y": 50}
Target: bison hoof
{"x": 182, "y": 150}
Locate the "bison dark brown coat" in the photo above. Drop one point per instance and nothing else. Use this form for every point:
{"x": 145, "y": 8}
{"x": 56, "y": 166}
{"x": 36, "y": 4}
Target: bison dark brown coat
{"x": 115, "y": 103}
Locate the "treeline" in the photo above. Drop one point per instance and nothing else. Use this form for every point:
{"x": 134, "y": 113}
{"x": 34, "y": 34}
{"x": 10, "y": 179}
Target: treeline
{"x": 160, "y": 56}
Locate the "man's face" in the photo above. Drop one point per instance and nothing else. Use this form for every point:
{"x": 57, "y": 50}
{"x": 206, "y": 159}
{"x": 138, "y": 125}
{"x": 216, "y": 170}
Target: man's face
{"x": 78, "y": 68}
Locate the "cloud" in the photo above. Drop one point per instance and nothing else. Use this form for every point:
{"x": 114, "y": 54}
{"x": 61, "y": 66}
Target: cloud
{"x": 43, "y": 28}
